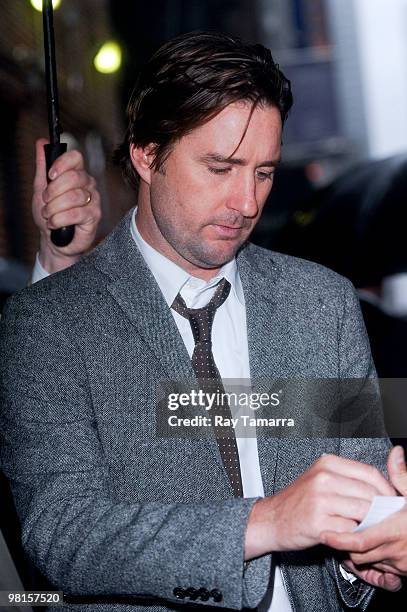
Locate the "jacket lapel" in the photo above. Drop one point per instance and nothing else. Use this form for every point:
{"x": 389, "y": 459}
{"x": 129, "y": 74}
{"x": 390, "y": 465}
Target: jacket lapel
{"x": 274, "y": 361}
{"x": 140, "y": 298}
{"x": 266, "y": 351}
{"x": 258, "y": 283}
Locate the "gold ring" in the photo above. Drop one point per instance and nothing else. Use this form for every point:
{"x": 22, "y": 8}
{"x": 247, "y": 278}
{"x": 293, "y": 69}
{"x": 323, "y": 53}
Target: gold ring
{"x": 88, "y": 199}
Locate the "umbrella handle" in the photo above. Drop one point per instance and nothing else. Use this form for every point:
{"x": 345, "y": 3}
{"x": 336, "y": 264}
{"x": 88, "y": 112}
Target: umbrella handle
{"x": 63, "y": 235}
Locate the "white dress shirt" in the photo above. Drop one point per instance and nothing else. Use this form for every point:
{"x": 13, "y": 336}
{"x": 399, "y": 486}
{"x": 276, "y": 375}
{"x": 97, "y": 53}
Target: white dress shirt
{"x": 38, "y": 271}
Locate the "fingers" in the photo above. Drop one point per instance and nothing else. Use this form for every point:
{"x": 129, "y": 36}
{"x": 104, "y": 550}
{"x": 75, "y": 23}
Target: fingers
{"x": 361, "y": 542}
{"x": 340, "y": 525}
{"x": 80, "y": 216}
{"x": 383, "y": 580}
{"x": 70, "y": 185}
{"x": 40, "y": 178}
{"x": 385, "y": 542}
{"x": 350, "y": 507}
{"x": 397, "y": 469}
{"x": 349, "y": 487}
{"x": 72, "y": 199}
{"x": 375, "y": 577}
{"x": 392, "y": 582}
{"x": 374, "y": 555}
{"x": 392, "y": 553}
{"x": 387, "y": 567}
{"x": 72, "y": 160}
{"x": 360, "y": 471}
{"x": 345, "y": 541}
{"x": 70, "y": 180}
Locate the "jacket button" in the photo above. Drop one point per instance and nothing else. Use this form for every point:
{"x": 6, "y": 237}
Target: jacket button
{"x": 216, "y": 595}
{"x": 179, "y": 593}
{"x": 192, "y": 593}
{"x": 203, "y": 594}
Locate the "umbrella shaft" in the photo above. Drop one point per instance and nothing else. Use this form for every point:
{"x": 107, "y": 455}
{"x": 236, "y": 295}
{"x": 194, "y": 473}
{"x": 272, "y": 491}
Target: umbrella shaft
{"x": 50, "y": 73}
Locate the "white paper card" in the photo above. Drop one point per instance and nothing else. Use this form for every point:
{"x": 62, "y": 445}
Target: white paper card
{"x": 381, "y": 507}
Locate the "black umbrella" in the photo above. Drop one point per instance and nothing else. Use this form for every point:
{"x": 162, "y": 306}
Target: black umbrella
{"x": 63, "y": 235}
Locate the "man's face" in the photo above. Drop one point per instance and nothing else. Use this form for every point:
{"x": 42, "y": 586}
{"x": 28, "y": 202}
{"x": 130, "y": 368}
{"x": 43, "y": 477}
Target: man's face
{"x": 204, "y": 204}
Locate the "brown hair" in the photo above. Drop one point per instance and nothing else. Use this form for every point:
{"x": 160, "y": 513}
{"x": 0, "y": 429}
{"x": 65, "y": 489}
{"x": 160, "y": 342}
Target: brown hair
{"x": 188, "y": 81}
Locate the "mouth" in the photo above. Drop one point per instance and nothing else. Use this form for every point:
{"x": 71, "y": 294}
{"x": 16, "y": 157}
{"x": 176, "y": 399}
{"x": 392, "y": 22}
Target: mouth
{"x": 228, "y": 231}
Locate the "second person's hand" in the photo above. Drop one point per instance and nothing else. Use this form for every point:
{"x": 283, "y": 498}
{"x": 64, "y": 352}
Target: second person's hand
{"x": 70, "y": 198}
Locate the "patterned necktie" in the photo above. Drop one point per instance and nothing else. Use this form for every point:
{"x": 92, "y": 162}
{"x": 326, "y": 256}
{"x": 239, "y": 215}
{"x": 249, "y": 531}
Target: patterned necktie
{"x": 201, "y": 320}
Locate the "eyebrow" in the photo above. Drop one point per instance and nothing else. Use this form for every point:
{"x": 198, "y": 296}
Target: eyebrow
{"x": 237, "y": 161}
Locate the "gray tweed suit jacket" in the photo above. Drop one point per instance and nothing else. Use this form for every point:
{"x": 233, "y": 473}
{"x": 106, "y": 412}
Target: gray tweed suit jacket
{"x": 117, "y": 517}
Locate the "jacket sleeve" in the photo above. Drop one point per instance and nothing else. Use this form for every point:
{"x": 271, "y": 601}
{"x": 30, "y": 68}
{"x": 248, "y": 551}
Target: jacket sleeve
{"x": 85, "y": 540}
{"x": 356, "y": 362}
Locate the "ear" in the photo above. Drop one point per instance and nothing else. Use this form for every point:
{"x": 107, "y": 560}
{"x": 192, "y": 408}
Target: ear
{"x": 141, "y": 158}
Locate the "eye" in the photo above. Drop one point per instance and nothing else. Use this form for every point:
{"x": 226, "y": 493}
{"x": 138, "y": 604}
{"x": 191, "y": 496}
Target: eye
{"x": 264, "y": 176}
{"x": 218, "y": 170}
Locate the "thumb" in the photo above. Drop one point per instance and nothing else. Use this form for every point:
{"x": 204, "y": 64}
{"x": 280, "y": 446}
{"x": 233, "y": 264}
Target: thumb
{"x": 397, "y": 469}
{"x": 40, "y": 178}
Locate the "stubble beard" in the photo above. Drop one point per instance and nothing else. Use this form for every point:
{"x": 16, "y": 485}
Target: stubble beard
{"x": 197, "y": 252}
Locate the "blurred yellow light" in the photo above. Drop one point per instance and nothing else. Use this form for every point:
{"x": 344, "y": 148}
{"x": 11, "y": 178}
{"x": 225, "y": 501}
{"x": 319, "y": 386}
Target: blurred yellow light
{"x": 37, "y": 4}
{"x": 109, "y": 58}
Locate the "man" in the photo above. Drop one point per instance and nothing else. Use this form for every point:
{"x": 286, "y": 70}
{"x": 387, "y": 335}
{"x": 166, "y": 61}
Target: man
{"x": 109, "y": 508}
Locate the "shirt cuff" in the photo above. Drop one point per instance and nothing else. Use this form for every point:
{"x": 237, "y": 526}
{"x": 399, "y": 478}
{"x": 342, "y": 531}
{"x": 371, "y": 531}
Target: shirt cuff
{"x": 347, "y": 575}
{"x": 38, "y": 272}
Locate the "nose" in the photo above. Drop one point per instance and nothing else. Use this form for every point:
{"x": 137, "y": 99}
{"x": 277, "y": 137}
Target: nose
{"x": 244, "y": 198}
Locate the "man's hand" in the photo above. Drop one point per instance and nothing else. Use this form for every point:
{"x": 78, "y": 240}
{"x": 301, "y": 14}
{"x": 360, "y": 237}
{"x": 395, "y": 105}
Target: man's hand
{"x": 71, "y": 198}
{"x": 384, "y": 546}
{"x": 334, "y": 495}
{"x": 375, "y": 577}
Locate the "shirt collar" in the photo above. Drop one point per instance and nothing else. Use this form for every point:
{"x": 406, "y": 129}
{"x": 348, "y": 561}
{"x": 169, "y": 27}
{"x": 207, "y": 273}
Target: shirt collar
{"x": 171, "y": 278}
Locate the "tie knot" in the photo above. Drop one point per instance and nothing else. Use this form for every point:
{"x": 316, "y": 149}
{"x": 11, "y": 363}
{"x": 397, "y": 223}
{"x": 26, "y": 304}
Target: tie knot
{"x": 201, "y": 319}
